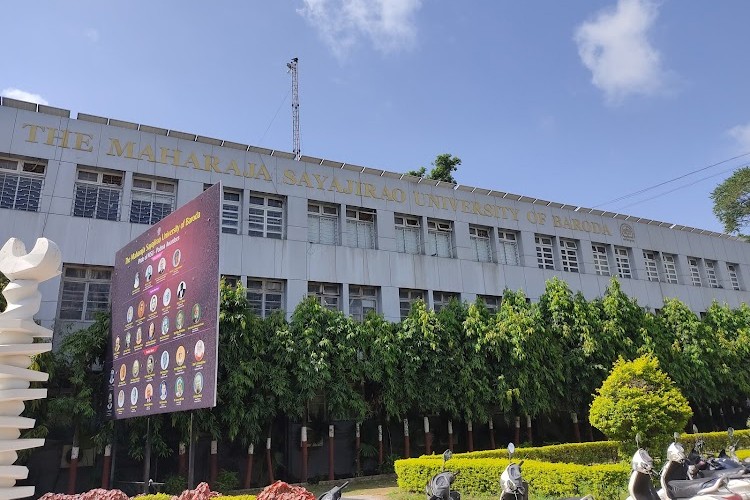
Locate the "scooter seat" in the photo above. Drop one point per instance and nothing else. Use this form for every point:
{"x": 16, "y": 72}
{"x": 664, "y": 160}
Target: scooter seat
{"x": 688, "y": 488}
{"x": 738, "y": 472}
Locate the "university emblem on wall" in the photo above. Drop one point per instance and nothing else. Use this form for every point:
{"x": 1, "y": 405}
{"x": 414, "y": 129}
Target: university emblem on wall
{"x": 627, "y": 232}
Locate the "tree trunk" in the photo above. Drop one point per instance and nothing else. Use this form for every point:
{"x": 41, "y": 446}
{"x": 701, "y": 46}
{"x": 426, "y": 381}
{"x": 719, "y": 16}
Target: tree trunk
{"x": 357, "y": 450}
{"x": 492, "y": 434}
{"x": 182, "y": 460}
{"x": 331, "y": 457}
{"x": 106, "y": 466}
{"x": 269, "y": 460}
{"x": 380, "y": 445}
{"x": 529, "y": 436}
{"x": 518, "y": 430}
{"x": 73, "y": 471}
{"x": 427, "y": 437}
{"x": 407, "y": 451}
{"x": 470, "y": 435}
{"x": 249, "y": 467}
{"x": 576, "y": 427}
{"x": 214, "y": 461}
{"x": 450, "y": 435}
{"x": 303, "y": 442}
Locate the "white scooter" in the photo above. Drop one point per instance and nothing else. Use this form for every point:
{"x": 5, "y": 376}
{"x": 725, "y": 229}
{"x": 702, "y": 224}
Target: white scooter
{"x": 641, "y": 486}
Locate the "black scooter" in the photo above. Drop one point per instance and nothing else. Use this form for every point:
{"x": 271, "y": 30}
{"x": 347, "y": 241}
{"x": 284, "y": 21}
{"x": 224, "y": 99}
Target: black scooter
{"x": 334, "y": 493}
{"x": 439, "y": 487}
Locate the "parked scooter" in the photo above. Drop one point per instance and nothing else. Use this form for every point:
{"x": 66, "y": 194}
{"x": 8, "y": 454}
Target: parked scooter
{"x": 641, "y": 486}
{"x": 512, "y": 484}
{"x": 439, "y": 487}
{"x": 701, "y": 466}
{"x": 334, "y": 493}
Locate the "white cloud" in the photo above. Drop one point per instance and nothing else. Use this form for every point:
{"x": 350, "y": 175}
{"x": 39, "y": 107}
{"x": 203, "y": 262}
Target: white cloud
{"x": 614, "y": 46}
{"x": 741, "y": 134}
{"x": 92, "y": 34}
{"x": 22, "y": 95}
{"x": 388, "y": 24}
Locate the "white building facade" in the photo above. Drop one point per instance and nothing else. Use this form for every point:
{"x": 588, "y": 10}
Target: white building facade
{"x": 358, "y": 238}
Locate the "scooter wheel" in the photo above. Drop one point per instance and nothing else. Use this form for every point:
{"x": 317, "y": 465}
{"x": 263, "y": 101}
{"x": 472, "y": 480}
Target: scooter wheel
{"x": 455, "y": 495}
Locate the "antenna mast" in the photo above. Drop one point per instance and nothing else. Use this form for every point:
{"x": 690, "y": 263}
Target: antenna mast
{"x": 295, "y": 107}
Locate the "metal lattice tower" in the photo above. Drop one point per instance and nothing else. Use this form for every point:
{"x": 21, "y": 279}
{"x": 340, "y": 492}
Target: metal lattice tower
{"x": 295, "y": 108}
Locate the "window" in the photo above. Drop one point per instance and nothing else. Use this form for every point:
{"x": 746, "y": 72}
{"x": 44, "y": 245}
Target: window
{"x": 265, "y": 296}
{"x": 491, "y": 302}
{"x": 439, "y": 238}
{"x": 408, "y": 234}
{"x": 544, "y": 252}
{"x": 713, "y": 281}
{"x": 670, "y": 268}
{"x": 507, "y": 249}
{"x": 322, "y": 223}
{"x": 98, "y": 195}
{"x": 231, "y": 208}
{"x": 360, "y": 227}
{"x": 85, "y": 292}
{"x": 328, "y": 294}
{"x": 21, "y": 184}
{"x": 623, "y": 262}
{"x": 480, "y": 241}
{"x": 152, "y": 200}
{"x": 734, "y": 277}
{"x": 695, "y": 273}
{"x": 265, "y": 216}
{"x": 569, "y": 255}
{"x": 652, "y": 272}
{"x": 601, "y": 263}
{"x": 406, "y": 298}
{"x": 362, "y": 300}
{"x": 231, "y": 280}
{"x": 442, "y": 299}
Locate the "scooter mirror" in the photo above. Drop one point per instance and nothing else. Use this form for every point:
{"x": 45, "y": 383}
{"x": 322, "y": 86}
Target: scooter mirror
{"x": 447, "y": 455}
{"x": 511, "y": 449}
{"x": 695, "y": 429}
{"x": 730, "y": 432}
{"x": 676, "y": 436}
{"x": 638, "y": 439}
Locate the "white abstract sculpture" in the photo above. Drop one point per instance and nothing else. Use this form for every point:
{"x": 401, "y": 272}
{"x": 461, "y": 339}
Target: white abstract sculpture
{"x": 17, "y": 332}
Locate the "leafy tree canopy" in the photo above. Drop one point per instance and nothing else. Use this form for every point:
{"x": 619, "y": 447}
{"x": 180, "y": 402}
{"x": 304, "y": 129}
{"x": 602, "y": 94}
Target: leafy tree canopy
{"x": 732, "y": 201}
{"x": 638, "y": 397}
{"x": 443, "y": 168}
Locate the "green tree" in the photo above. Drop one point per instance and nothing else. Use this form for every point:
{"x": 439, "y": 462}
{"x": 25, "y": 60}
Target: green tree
{"x": 443, "y": 167}
{"x": 732, "y": 201}
{"x": 80, "y": 402}
{"x": 638, "y": 397}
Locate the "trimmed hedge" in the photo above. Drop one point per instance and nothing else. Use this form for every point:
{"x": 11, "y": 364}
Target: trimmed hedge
{"x": 597, "y": 452}
{"x": 600, "y": 452}
{"x": 481, "y": 476}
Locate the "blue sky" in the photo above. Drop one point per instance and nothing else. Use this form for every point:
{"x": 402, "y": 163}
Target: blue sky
{"x": 579, "y": 102}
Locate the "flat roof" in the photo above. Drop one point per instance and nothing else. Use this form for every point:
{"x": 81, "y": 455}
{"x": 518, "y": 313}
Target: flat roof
{"x": 50, "y": 110}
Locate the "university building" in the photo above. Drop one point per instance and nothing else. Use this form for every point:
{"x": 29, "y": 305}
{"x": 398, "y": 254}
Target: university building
{"x": 358, "y": 238}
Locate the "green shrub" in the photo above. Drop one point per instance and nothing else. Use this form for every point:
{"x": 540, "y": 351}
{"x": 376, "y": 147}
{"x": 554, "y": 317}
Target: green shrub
{"x": 174, "y": 485}
{"x": 226, "y": 480}
{"x": 165, "y": 496}
{"x": 597, "y": 452}
{"x": 481, "y": 476}
{"x": 639, "y": 398}
{"x": 716, "y": 441}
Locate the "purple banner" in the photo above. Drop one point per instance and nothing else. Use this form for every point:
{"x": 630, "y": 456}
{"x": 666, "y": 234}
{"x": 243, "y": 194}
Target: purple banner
{"x": 165, "y": 314}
